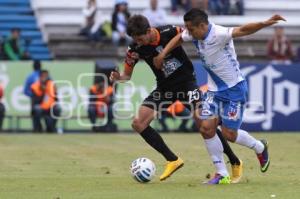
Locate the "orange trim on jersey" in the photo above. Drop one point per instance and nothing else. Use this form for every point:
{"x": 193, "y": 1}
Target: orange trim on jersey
{"x": 128, "y": 69}
{"x": 157, "y": 40}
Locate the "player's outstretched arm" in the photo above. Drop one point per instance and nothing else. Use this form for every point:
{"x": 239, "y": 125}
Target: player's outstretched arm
{"x": 251, "y": 28}
{"x": 131, "y": 59}
{"x": 174, "y": 43}
{"x": 116, "y": 76}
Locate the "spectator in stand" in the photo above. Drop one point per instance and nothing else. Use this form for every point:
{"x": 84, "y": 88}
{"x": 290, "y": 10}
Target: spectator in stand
{"x": 44, "y": 103}
{"x": 219, "y": 7}
{"x": 2, "y": 107}
{"x": 186, "y": 4}
{"x": 100, "y": 106}
{"x": 239, "y": 5}
{"x": 280, "y": 48}
{"x": 92, "y": 26}
{"x": 119, "y": 23}
{"x": 31, "y": 79}
{"x": 202, "y": 4}
{"x": 156, "y": 16}
{"x": 14, "y": 47}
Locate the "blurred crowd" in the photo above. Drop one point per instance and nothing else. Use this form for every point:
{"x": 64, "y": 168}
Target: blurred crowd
{"x": 97, "y": 30}
{"x": 279, "y": 47}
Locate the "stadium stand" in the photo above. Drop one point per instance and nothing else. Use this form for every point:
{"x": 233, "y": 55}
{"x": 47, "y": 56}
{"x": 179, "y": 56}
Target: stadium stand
{"x": 60, "y": 21}
{"x": 19, "y": 14}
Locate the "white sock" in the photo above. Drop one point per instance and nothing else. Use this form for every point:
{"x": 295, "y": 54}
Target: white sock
{"x": 245, "y": 139}
{"x": 215, "y": 149}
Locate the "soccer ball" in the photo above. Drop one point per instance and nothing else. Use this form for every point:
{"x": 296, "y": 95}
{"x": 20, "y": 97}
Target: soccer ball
{"x": 142, "y": 170}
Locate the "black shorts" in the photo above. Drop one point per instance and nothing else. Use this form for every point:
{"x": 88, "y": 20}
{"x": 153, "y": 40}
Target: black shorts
{"x": 187, "y": 92}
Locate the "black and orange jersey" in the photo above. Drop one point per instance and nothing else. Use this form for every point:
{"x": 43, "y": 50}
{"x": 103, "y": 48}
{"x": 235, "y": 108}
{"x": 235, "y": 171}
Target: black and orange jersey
{"x": 46, "y": 97}
{"x": 177, "y": 66}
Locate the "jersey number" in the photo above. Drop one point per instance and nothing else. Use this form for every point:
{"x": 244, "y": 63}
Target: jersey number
{"x": 194, "y": 95}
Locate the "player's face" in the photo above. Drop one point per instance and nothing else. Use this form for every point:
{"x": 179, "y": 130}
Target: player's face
{"x": 142, "y": 40}
{"x": 196, "y": 32}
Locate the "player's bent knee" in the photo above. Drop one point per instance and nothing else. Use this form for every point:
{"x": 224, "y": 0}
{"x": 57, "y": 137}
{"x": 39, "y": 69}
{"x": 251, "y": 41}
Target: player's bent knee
{"x": 207, "y": 132}
{"x": 137, "y": 125}
{"x": 230, "y": 134}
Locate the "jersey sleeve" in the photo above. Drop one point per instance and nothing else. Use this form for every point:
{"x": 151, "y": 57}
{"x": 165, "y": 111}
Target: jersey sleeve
{"x": 171, "y": 31}
{"x": 130, "y": 60}
{"x": 224, "y": 34}
{"x": 185, "y": 36}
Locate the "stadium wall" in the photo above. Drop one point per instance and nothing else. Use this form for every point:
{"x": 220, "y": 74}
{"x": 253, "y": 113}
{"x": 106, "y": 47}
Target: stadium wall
{"x": 274, "y": 93}
{"x": 273, "y": 96}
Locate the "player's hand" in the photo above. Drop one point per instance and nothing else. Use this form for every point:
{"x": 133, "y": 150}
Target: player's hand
{"x": 114, "y": 76}
{"x": 274, "y": 19}
{"x": 158, "y": 61}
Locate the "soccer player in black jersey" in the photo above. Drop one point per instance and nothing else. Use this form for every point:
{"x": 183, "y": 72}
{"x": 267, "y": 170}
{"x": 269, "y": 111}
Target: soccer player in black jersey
{"x": 175, "y": 81}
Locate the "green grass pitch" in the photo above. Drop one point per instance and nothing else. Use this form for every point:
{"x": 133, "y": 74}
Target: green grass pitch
{"x": 78, "y": 166}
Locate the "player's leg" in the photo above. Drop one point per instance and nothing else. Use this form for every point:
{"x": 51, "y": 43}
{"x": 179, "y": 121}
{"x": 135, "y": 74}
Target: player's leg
{"x": 235, "y": 162}
{"x": 231, "y": 122}
{"x": 56, "y": 112}
{"x": 37, "y": 114}
{"x": 192, "y": 88}
{"x": 215, "y": 150}
{"x": 141, "y": 124}
{"x": 207, "y": 126}
{"x": 49, "y": 121}
{"x": 92, "y": 114}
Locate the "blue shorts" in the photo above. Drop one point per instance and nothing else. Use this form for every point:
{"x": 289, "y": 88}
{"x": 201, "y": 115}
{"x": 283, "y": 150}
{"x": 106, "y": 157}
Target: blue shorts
{"x": 228, "y": 105}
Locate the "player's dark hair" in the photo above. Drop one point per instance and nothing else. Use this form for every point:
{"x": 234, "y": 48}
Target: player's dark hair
{"x": 196, "y": 16}
{"x": 137, "y": 25}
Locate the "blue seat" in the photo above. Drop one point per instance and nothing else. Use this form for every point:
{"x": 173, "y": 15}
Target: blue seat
{"x": 38, "y": 49}
{"x": 37, "y": 42}
{"x": 18, "y": 14}
{"x": 41, "y": 56}
{"x": 21, "y": 25}
{"x": 15, "y": 2}
{"x": 25, "y": 34}
{"x": 15, "y": 10}
{"x": 16, "y": 18}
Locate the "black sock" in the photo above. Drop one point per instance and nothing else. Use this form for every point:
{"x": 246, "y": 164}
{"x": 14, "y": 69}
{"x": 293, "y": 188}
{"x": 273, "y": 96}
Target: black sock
{"x": 227, "y": 150}
{"x": 156, "y": 141}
